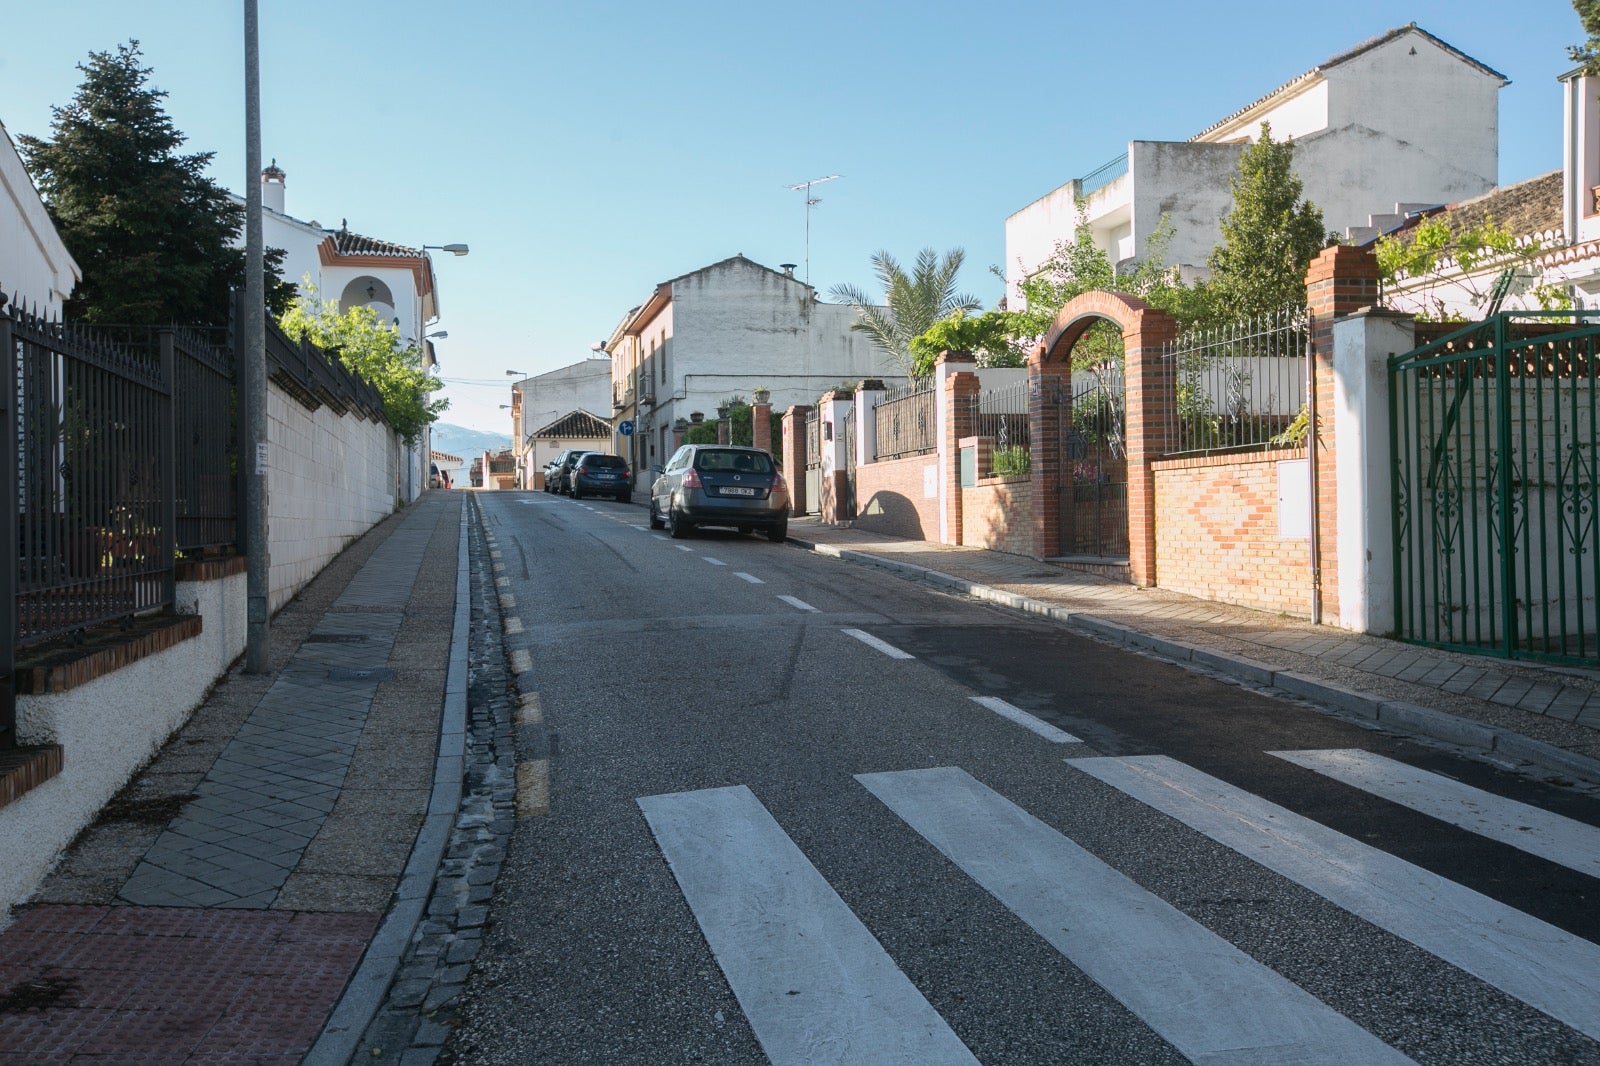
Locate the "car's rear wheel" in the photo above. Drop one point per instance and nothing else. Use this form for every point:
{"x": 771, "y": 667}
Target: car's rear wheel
{"x": 577, "y": 493}
{"x": 778, "y": 533}
{"x": 677, "y": 526}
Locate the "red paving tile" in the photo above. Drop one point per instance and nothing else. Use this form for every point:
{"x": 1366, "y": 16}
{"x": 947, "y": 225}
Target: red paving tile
{"x": 171, "y": 985}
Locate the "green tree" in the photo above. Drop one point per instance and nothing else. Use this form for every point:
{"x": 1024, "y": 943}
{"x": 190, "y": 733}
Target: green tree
{"x": 1079, "y": 266}
{"x": 1268, "y": 238}
{"x": 1588, "y": 53}
{"x": 371, "y": 348}
{"x": 912, "y": 302}
{"x": 149, "y": 229}
{"x": 986, "y": 336}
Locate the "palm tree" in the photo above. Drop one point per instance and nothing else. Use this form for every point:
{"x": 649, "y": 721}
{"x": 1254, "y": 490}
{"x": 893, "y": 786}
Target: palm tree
{"x": 912, "y": 302}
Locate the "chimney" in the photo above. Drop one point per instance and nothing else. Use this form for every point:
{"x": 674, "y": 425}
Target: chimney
{"x": 788, "y": 269}
{"x": 272, "y": 180}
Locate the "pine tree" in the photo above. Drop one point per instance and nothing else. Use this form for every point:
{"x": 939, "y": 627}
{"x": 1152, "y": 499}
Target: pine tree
{"x": 1588, "y": 53}
{"x": 148, "y": 228}
{"x": 1269, "y": 237}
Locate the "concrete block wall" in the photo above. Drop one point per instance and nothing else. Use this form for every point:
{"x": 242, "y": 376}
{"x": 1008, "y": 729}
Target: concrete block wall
{"x": 330, "y": 479}
{"x": 1217, "y": 533}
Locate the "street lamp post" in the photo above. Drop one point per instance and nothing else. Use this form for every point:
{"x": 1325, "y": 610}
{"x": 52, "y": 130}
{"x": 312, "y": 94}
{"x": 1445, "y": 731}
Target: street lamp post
{"x": 518, "y": 453}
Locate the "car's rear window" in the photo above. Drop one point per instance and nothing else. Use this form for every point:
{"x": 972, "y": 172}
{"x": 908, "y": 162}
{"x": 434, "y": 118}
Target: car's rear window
{"x": 734, "y": 462}
{"x": 609, "y": 462}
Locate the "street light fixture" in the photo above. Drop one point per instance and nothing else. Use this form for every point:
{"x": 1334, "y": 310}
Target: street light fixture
{"x": 453, "y": 249}
{"x": 516, "y": 373}
{"x": 441, "y": 335}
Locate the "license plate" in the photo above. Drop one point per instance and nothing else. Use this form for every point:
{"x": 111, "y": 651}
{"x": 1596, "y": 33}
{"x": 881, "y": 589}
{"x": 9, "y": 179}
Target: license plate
{"x": 738, "y": 492}
{"x": 606, "y": 477}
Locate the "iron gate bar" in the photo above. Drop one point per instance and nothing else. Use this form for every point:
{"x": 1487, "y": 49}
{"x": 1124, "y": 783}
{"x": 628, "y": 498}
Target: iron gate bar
{"x": 1496, "y": 547}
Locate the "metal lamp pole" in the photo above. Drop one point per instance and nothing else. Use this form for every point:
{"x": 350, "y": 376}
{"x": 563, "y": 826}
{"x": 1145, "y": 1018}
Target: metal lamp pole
{"x": 252, "y": 365}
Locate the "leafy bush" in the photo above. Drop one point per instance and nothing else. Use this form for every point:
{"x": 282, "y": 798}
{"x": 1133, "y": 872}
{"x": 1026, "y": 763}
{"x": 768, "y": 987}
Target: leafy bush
{"x": 1015, "y": 461}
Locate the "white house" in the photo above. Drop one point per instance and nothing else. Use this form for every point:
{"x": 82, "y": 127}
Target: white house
{"x": 353, "y": 270}
{"x": 539, "y": 401}
{"x": 37, "y": 273}
{"x": 722, "y": 332}
{"x": 1402, "y": 119}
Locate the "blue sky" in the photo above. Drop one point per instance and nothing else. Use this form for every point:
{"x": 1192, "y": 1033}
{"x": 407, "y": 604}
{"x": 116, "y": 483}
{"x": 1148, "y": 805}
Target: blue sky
{"x": 588, "y": 151}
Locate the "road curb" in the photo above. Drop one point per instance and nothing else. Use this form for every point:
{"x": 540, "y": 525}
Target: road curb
{"x": 368, "y": 988}
{"x": 1396, "y": 715}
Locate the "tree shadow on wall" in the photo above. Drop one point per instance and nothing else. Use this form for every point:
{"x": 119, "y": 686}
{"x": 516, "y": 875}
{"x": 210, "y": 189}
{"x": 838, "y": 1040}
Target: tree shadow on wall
{"x": 891, "y": 513}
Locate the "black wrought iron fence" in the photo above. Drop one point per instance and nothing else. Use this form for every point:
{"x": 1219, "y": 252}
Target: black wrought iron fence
{"x": 1002, "y": 415}
{"x": 1240, "y": 386}
{"x": 906, "y": 422}
{"x": 92, "y": 427}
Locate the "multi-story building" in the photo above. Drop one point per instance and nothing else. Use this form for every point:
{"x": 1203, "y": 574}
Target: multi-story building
{"x": 720, "y": 333}
{"x": 1403, "y": 119}
{"x": 539, "y": 402}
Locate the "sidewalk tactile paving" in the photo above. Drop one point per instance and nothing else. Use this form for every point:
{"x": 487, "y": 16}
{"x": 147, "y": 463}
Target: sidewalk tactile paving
{"x": 174, "y": 985}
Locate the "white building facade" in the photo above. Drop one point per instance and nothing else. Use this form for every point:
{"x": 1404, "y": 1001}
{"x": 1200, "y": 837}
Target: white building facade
{"x": 720, "y": 333}
{"x": 539, "y": 401}
{"x": 37, "y": 273}
{"x": 1404, "y": 120}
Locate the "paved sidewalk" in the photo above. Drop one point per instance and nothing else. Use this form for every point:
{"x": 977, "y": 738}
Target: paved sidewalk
{"x": 1537, "y": 718}
{"x": 221, "y": 905}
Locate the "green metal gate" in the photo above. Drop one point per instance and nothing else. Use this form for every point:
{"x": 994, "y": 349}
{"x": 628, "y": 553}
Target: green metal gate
{"x": 1495, "y": 436}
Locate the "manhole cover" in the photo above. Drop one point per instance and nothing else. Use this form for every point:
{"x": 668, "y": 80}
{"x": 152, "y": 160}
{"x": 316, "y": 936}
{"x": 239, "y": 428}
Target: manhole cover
{"x": 341, "y": 673}
{"x": 336, "y": 638}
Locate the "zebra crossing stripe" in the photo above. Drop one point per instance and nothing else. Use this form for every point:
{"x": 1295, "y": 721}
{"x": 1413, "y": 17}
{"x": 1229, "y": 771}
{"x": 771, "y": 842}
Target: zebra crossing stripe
{"x": 1570, "y": 843}
{"x": 815, "y": 984}
{"x": 1207, "y": 998}
{"x": 1545, "y": 967}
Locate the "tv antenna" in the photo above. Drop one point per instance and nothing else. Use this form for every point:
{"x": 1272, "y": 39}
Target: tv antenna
{"x": 811, "y": 201}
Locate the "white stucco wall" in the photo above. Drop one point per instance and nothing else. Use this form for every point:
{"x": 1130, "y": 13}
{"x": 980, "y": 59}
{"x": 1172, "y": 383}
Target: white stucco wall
{"x": 581, "y": 386}
{"x": 329, "y": 480}
{"x": 37, "y": 273}
{"x": 1299, "y": 112}
{"x": 108, "y": 729}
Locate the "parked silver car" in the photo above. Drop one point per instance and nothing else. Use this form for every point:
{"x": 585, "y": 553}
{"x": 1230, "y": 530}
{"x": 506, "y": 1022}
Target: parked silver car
{"x": 720, "y": 485}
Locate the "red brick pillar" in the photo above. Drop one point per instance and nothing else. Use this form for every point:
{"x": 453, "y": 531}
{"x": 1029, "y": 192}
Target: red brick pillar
{"x": 761, "y": 425}
{"x": 1151, "y": 409}
{"x": 959, "y": 389}
{"x": 1340, "y": 281}
{"x": 1049, "y": 422}
{"x": 794, "y": 457}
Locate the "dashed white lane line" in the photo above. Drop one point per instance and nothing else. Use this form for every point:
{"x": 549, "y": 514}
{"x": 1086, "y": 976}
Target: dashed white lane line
{"x": 873, "y": 642}
{"x": 685, "y": 548}
{"x": 741, "y": 575}
{"x": 1026, "y": 720}
{"x": 714, "y": 562}
{"x": 799, "y": 605}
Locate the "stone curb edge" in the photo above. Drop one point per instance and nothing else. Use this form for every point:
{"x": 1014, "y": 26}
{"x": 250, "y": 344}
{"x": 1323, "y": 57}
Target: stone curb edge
{"x": 1396, "y": 715}
{"x": 369, "y": 985}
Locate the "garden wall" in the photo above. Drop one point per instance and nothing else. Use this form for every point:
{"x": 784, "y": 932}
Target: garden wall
{"x": 899, "y": 497}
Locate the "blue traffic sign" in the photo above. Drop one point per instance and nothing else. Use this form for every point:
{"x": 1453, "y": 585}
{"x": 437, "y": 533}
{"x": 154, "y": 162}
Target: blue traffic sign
{"x": 625, "y": 427}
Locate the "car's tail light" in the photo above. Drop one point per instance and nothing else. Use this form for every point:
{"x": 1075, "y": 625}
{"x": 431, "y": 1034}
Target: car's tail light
{"x": 691, "y": 480}
{"x": 778, "y": 484}
{"x": 626, "y": 472}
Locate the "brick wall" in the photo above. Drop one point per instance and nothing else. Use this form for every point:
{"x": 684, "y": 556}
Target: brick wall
{"x": 1217, "y": 533}
{"x": 997, "y": 513}
{"x": 890, "y": 498}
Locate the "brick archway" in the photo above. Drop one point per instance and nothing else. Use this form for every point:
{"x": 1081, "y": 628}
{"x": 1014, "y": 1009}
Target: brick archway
{"x": 1146, "y": 333}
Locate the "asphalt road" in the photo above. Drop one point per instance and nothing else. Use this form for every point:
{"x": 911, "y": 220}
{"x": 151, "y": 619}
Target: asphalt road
{"x": 783, "y": 827}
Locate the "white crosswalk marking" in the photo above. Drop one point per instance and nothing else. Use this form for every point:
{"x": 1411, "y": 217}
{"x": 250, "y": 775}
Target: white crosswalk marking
{"x": 812, "y": 980}
{"x": 873, "y": 642}
{"x": 1538, "y": 832}
{"x": 1543, "y": 966}
{"x": 1214, "y": 1003}
{"x": 1026, "y": 720}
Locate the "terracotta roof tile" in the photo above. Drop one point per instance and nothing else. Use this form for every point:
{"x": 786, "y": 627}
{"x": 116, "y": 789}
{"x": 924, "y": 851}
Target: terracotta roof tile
{"x": 577, "y": 424}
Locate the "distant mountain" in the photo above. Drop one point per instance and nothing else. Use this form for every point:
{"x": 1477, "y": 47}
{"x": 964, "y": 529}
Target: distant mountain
{"x": 467, "y": 443}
